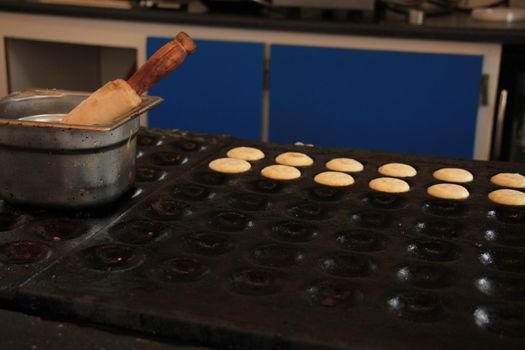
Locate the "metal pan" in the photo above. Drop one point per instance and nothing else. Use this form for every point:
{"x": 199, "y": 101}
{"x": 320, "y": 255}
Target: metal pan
{"x": 47, "y": 163}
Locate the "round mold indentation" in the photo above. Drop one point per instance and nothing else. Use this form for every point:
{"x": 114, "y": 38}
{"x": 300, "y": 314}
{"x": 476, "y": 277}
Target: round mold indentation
{"x": 381, "y": 200}
{"x": 504, "y": 287}
{"x": 211, "y": 178}
{"x": 511, "y": 236}
{"x": 333, "y": 293}
{"x": 325, "y": 193}
{"x": 266, "y": 186}
{"x": 187, "y": 145}
{"x": 249, "y": 201}
{"x": 277, "y": 255}
{"x": 9, "y": 220}
{"x": 139, "y": 232}
{"x": 168, "y": 209}
{"x": 192, "y": 192}
{"x": 372, "y": 219}
{"x": 504, "y": 259}
{"x": 502, "y": 319}
{"x": 60, "y": 229}
{"x": 359, "y": 240}
{"x": 148, "y": 140}
{"x": 112, "y": 257}
{"x": 253, "y": 281}
{"x": 424, "y": 275}
{"x": 348, "y": 265}
{"x": 181, "y": 269}
{"x": 416, "y": 306}
{"x": 168, "y": 158}
{"x": 208, "y": 243}
{"x": 439, "y": 228}
{"x": 23, "y": 252}
{"x": 230, "y": 221}
{"x": 433, "y": 250}
{"x": 309, "y": 211}
{"x": 294, "y": 231}
{"x": 148, "y": 174}
{"x": 508, "y": 215}
{"x": 443, "y": 207}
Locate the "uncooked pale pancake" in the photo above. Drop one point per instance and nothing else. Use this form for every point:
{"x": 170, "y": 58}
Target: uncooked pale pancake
{"x": 334, "y": 178}
{"x": 448, "y": 191}
{"x": 509, "y": 180}
{"x": 397, "y": 170}
{"x": 453, "y": 175}
{"x": 280, "y": 172}
{"x": 229, "y": 165}
{"x": 294, "y": 159}
{"x": 345, "y": 164}
{"x": 507, "y": 197}
{"x": 245, "y": 153}
{"x": 389, "y": 185}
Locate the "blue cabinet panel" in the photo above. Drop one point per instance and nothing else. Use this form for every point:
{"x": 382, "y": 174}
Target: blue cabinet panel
{"x": 395, "y": 101}
{"x": 216, "y": 90}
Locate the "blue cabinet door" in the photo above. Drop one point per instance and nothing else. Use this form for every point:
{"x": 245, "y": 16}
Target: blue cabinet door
{"x": 217, "y": 90}
{"x": 380, "y": 100}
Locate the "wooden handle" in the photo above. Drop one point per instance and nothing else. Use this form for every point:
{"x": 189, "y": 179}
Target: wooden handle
{"x": 163, "y": 62}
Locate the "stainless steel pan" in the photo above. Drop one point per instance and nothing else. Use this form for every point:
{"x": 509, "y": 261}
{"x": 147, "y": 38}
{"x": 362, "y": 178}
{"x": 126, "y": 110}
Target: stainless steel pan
{"x": 45, "y": 163}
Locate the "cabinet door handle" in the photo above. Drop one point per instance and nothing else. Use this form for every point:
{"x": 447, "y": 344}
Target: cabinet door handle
{"x": 500, "y": 122}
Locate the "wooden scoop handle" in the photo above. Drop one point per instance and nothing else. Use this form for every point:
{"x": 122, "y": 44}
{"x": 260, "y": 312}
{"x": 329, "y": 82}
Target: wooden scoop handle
{"x": 163, "y": 62}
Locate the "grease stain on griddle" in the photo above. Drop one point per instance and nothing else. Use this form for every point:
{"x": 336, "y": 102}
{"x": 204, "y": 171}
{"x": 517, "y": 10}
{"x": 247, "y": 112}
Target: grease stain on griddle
{"x": 60, "y": 229}
{"x": 10, "y": 220}
{"x": 168, "y": 158}
{"x": 211, "y": 178}
{"x": 23, "y": 252}
{"x": 443, "y": 207}
{"x": 267, "y": 186}
{"x": 149, "y": 174}
{"x": 508, "y": 215}
{"x": 148, "y": 140}
{"x": 372, "y": 219}
{"x": 325, "y": 193}
{"x": 187, "y": 145}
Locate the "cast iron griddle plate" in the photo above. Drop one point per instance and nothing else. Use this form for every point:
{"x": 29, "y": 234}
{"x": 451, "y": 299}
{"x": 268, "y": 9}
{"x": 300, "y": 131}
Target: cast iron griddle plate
{"x": 33, "y": 238}
{"x": 24, "y": 332}
{"x": 243, "y": 262}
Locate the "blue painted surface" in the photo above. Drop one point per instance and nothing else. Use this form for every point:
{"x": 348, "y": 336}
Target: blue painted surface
{"x": 216, "y": 90}
{"x": 393, "y": 101}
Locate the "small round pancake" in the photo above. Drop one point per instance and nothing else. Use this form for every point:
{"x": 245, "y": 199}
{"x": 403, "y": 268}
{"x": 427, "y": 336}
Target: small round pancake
{"x": 294, "y": 159}
{"x": 453, "y": 175}
{"x": 229, "y": 165}
{"x": 509, "y": 180}
{"x": 280, "y": 172}
{"x": 389, "y": 185}
{"x": 448, "y": 191}
{"x": 334, "y": 178}
{"x": 245, "y": 153}
{"x": 347, "y": 165}
{"x": 397, "y": 170}
{"x": 507, "y": 197}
